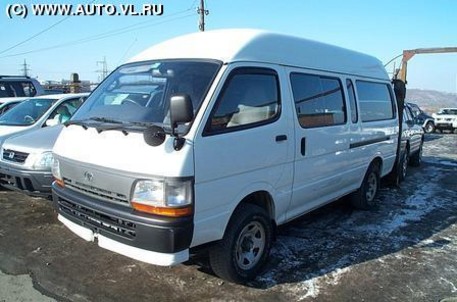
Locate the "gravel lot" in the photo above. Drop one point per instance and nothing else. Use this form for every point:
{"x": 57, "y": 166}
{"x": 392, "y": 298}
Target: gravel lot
{"x": 405, "y": 250}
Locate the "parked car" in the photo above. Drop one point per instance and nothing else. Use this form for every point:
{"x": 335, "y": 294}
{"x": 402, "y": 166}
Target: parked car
{"x": 26, "y": 158}
{"x": 412, "y": 142}
{"x": 446, "y": 119}
{"x": 19, "y": 86}
{"x": 9, "y": 103}
{"x": 38, "y": 112}
{"x": 426, "y": 121}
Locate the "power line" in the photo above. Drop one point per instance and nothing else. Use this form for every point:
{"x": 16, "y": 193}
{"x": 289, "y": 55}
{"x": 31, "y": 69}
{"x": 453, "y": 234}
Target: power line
{"x": 100, "y": 36}
{"x": 126, "y": 52}
{"x": 39, "y": 33}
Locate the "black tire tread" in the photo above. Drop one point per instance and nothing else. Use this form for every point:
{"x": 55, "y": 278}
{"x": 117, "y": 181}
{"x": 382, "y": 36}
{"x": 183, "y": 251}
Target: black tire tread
{"x": 220, "y": 254}
{"x": 357, "y": 198}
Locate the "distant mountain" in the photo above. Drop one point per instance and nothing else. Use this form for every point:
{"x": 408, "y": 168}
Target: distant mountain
{"x": 430, "y": 101}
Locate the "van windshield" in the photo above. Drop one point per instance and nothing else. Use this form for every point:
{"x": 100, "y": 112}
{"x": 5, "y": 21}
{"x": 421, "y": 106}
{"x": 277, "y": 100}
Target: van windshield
{"x": 140, "y": 92}
{"x": 26, "y": 113}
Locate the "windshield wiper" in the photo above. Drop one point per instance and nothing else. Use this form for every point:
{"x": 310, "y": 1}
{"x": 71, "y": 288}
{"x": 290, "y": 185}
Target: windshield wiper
{"x": 91, "y": 122}
{"x": 105, "y": 120}
{"x": 103, "y": 124}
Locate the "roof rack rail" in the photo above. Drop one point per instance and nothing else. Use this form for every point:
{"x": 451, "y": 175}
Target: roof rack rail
{"x": 13, "y": 76}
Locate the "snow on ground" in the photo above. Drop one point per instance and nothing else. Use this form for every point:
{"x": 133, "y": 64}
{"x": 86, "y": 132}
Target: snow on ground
{"x": 314, "y": 253}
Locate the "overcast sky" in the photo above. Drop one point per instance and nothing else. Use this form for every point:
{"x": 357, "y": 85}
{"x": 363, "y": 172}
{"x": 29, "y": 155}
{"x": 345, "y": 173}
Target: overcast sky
{"x": 57, "y": 46}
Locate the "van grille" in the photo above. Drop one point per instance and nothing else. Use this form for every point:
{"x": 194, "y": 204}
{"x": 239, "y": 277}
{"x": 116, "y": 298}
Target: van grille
{"x": 98, "y": 220}
{"x": 14, "y": 156}
{"x": 96, "y": 192}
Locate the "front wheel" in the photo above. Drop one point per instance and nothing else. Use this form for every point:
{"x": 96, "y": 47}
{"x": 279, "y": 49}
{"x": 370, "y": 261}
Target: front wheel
{"x": 429, "y": 127}
{"x": 364, "y": 197}
{"x": 245, "y": 247}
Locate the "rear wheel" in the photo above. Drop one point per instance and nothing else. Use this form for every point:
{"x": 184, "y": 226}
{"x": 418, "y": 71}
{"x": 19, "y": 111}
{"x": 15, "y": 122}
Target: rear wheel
{"x": 245, "y": 247}
{"x": 364, "y": 197}
{"x": 416, "y": 158}
{"x": 404, "y": 165}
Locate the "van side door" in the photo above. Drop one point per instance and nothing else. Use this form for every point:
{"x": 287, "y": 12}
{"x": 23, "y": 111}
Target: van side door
{"x": 245, "y": 147}
{"x": 323, "y": 160}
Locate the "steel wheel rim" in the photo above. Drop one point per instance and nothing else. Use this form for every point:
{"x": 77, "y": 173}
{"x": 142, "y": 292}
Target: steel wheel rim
{"x": 250, "y": 245}
{"x": 372, "y": 187}
{"x": 429, "y": 127}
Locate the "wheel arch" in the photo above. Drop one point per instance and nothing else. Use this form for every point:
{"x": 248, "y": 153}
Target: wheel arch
{"x": 262, "y": 199}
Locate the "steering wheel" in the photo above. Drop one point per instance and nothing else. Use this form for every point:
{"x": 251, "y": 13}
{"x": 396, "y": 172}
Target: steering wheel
{"x": 129, "y": 101}
{"x": 29, "y": 119}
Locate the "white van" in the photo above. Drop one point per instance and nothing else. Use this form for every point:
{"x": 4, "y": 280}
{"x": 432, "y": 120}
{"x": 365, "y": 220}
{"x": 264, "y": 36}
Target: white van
{"x": 214, "y": 139}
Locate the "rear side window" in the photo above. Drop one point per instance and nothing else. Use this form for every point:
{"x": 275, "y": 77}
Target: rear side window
{"x": 352, "y": 103}
{"x": 318, "y": 100}
{"x": 17, "y": 89}
{"x": 250, "y": 98}
{"x": 375, "y": 100}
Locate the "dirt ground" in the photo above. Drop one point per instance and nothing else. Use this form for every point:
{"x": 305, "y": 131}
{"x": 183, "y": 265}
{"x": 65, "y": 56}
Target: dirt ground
{"x": 405, "y": 250}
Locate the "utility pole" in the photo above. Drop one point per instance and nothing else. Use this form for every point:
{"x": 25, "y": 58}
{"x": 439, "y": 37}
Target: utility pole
{"x": 103, "y": 72}
{"x": 25, "y": 69}
{"x": 202, "y": 12}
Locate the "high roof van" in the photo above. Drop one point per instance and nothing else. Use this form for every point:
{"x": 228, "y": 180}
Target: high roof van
{"x": 214, "y": 139}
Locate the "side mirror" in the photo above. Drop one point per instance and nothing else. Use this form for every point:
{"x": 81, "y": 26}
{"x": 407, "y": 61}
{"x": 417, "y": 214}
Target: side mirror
{"x": 181, "y": 110}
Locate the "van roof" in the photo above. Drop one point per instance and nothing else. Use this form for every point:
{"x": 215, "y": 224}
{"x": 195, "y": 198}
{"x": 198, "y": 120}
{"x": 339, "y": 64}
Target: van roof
{"x": 235, "y": 45}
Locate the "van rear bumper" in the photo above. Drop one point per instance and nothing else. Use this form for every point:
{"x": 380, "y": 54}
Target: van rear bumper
{"x": 148, "y": 238}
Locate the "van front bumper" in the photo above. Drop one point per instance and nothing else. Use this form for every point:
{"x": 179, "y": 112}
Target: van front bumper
{"x": 118, "y": 228}
{"x": 31, "y": 182}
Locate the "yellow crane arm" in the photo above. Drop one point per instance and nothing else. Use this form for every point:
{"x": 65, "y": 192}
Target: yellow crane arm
{"x": 408, "y": 54}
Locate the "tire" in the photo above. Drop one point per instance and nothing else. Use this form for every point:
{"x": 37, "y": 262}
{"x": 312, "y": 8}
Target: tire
{"x": 365, "y": 197}
{"x": 429, "y": 127}
{"x": 404, "y": 166}
{"x": 416, "y": 158}
{"x": 245, "y": 247}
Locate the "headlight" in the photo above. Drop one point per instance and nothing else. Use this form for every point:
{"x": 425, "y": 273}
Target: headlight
{"x": 167, "y": 197}
{"x": 40, "y": 161}
{"x": 56, "y": 172}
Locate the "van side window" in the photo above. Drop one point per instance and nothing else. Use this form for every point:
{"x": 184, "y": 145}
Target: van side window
{"x": 352, "y": 103}
{"x": 249, "y": 98}
{"x": 375, "y": 100}
{"x": 318, "y": 100}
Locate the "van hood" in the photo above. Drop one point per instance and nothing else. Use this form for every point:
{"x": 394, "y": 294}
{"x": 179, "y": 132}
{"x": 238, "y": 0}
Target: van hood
{"x": 115, "y": 150}
{"x": 35, "y": 141}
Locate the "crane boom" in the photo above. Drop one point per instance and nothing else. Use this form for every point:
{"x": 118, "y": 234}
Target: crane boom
{"x": 408, "y": 54}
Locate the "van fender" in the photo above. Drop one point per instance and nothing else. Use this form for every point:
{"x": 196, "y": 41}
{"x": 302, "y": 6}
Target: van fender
{"x": 250, "y": 190}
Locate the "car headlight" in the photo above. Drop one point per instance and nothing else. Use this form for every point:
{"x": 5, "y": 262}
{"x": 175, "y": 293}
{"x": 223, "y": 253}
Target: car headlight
{"x": 166, "y": 197}
{"x": 56, "y": 172}
{"x": 41, "y": 161}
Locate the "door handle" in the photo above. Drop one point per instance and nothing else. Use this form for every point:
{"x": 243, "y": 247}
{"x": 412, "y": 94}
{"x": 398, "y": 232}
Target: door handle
{"x": 303, "y": 146}
{"x": 280, "y": 138}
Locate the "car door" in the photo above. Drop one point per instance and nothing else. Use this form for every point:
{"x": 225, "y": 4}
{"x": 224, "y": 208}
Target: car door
{"x": 411, "y": 131}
